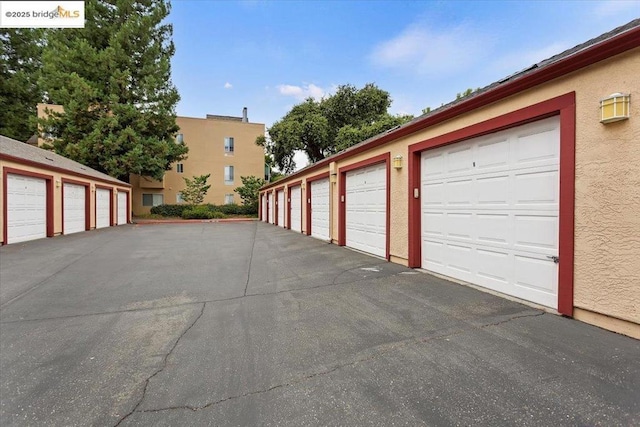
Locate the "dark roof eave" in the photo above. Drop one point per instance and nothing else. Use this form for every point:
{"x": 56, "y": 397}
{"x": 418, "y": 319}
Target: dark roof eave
{"x": 607, "y": 48}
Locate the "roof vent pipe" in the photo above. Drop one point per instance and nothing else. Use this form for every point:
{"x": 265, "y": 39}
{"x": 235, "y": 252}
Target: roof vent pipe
{"x": 245, "y": 119}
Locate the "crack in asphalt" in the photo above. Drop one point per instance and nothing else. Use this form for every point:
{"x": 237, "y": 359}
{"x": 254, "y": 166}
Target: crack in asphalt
{"x": 162, "y": 367}
{"x": 253, "y": 247}
{"x": 133, "y": 310}
{"x": 385, "y": 350}
{"x": 55, "y": 273}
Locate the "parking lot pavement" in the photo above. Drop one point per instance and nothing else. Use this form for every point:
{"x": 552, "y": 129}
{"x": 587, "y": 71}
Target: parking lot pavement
{"x": 250, "y": 324}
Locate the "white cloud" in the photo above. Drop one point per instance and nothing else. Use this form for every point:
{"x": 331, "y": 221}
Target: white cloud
{"x": 419, "y": 49}
{"x": 609, "y": 8}
{"x": 302, "y": 92}
{"x": 228, "y": 85}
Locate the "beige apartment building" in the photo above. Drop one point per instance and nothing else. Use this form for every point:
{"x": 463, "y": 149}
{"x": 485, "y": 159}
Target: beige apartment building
{"x": 223, "y": 146}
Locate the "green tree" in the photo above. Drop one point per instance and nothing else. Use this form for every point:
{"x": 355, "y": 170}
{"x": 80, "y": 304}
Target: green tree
{"x": 315, "y": 127}
{"x": 250, "y": 190}
{"x": 20, "y": 64}
{"x": 195, "y": 189}
{"x": 113, "y": 79}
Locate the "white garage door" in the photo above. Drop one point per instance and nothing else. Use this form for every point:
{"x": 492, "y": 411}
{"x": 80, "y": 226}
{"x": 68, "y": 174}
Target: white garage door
{"x": 74, "y": 208}
{"x": 122, "y": 208}
{"x": 281, "y": 208}
{"x": 366, "y": 209}
{"x": 272, "y": 208}
{"x": 296, "y": 208}
{"x": 26, "y": 208}
{"x": 264, "y": 207}
{"x": 320, "y": 209}
{"x": 103, "y": 208}
{"x": 490, "y": 211}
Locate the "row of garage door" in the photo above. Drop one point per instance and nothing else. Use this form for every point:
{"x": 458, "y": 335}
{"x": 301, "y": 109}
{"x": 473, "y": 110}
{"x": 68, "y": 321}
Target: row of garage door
{"x": 489, "y": 210}
{"x": 28, "y": 206}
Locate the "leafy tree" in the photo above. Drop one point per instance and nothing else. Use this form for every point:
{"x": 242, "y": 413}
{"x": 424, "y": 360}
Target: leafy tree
{"x": 196, "y": 189}
{"x": 350, "y": 135}
{"x": 321, "y": 128}
{"x": 113, "y": 79}
{"x": 467, "y": 92}
{"x": 250, "y": 190}
{"x": 20, "y": 63}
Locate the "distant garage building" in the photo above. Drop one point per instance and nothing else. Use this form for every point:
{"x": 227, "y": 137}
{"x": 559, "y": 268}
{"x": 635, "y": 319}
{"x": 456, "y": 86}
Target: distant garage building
{"x": 45, "y": 194}
{"x": 527, "y": 187}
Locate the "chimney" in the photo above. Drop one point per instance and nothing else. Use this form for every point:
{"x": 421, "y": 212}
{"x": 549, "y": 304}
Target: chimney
{"x": 245, "y": 119}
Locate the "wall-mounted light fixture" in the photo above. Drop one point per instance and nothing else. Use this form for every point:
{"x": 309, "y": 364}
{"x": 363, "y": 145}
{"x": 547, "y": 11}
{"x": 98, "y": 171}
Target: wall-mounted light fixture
{"x": 397, "y": 161}
{"x": 57, "y": 183}
{"x": 615, "y": 107}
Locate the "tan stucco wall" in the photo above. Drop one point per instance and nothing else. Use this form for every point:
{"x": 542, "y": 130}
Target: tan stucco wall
{"x": 57, "y": 193}
{"x": 607, "y": 185}
{"x": 205, "y": 139}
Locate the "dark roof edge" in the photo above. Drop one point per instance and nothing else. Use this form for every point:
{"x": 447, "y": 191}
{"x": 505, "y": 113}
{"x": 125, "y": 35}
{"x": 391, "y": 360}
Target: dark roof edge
{"x": 115, "y": 182}
{"x": 610, "y": 44}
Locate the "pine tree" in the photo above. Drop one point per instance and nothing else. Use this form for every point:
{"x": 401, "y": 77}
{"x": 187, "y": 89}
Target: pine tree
{"x": 113, "y": 79}
{"x": 20, "y": 63}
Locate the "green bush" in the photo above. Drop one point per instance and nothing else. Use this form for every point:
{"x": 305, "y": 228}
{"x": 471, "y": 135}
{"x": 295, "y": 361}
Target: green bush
{"x": 197, "y": 212}
{"x": 201, "y": 211}
{"x": 231, "y": 209}
{"x": 218, "y": 215}
{"x": 169, "y": 210}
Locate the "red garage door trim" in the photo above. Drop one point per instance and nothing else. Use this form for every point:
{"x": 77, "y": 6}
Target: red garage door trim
{"x": 104, "y": 187}
{"x": 342, "y": 215}
{"x": 289, "y": 185}
{"x": 275, "y": 201}
{"x": 308, "y": 195}
{"x": 49, "y": 184}
{"x": 87, "y": 202}
{"x": 565, "y": 106}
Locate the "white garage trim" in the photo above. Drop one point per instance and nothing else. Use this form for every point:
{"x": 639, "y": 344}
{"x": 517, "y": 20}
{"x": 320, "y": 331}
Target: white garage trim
{"x": 123, "y": 207}
{"x": 280, "y": 208}
{"x": 28, "y": 206}
{"x": 318, "y": 212}
{"x": 104, "y": 213}
{"x": 490, "y": 211}
{"x": 295, "y": 208}
{"x": 263, "y": 207}
{"x": 75, "y": 206}
{"x": 364, "y": 200}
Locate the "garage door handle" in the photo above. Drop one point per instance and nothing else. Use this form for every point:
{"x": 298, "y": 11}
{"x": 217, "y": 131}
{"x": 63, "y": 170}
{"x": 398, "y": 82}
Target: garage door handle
{"x": 554, "y": 258}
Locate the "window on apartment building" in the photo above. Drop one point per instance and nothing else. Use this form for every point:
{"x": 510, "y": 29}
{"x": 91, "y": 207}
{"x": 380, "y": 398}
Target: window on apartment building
{"x": 228, "y": 199}
{"x": 228, "y": 144}
{"x": 180, "y": 168}
{"x": 179, "y": 139}
{"x": 152, "y": 199}
{"x": 179, "y": 198}
{"x": 228, "y": 175}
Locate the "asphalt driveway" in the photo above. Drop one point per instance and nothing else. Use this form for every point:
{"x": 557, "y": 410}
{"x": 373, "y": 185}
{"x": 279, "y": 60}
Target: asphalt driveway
{"x": 250, "y": 324}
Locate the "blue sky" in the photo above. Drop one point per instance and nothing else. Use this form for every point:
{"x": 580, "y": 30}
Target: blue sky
{"x": 269, "y": 55}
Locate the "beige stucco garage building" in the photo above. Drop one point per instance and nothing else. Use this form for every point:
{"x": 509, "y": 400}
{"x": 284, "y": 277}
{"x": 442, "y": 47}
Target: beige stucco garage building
{"x": 44, "y": 194}
{"x": 520, "y": 188}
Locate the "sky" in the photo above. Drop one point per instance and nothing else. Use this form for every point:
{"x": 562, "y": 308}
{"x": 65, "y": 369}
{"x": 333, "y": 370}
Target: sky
{"x": 270, "y": 55}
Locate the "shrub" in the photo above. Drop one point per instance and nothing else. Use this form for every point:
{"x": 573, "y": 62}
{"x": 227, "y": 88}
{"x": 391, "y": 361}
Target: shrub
{"x": 231, "y": 209}
{"x": 169, "y": 210}
{"x": 218, "y": 215}
{"x": 197, "y": 212}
